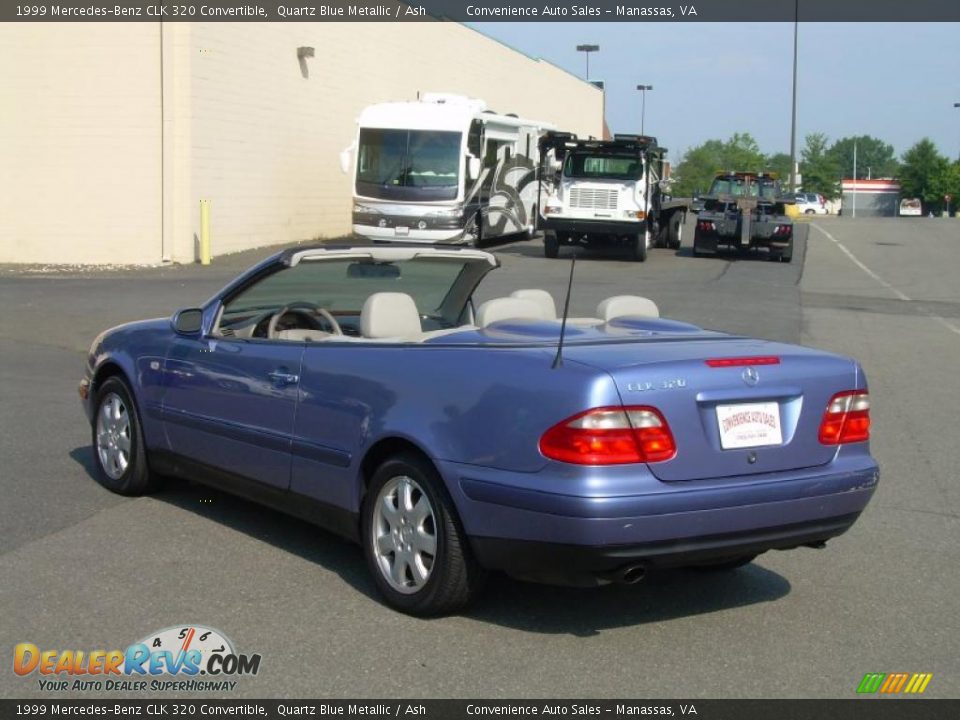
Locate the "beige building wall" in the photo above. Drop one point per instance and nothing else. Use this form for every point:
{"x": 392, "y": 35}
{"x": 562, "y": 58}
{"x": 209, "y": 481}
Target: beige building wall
{"x": 226, "y": 112}
{"x": 80, "y": 162}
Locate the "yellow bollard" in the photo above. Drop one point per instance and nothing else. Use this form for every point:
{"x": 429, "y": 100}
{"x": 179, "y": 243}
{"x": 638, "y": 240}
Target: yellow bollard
{"x": 204, "y": 232}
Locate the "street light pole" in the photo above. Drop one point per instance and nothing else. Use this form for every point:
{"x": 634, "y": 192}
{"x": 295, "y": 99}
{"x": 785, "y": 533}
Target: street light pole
{"x": 793, "y": 117}
{"x": 957, "y": 105}
{"x": 854, "y": 189}
{"x": 588, "y": 49}
{"x": 643, "y": 104}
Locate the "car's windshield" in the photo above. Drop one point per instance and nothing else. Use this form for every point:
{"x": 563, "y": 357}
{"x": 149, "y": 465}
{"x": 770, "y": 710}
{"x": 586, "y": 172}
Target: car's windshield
{"x": 408, "y": 164}
{"x": 607, "y": 167}
{"x": 342, "y": 285}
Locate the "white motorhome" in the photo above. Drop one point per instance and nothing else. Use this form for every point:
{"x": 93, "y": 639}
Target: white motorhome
{"x": 443, "y": 169}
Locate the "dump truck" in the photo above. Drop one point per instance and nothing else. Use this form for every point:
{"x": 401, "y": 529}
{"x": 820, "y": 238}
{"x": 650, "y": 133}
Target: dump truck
{"x": 610, "y": 192}
{"x": 745, "y": 211}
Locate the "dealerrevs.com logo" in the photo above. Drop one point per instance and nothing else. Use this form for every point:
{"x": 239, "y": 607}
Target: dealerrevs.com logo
{"x": 180, "y": 658}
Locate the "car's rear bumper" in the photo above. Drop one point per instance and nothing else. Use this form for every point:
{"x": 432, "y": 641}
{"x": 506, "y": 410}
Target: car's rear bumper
{"x": 562, "y": 564}
{"x": 577, "y": 538}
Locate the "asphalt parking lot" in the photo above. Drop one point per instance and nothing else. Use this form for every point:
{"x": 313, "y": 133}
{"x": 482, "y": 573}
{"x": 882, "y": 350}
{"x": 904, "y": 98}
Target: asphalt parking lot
{"x": 81, "y": 568}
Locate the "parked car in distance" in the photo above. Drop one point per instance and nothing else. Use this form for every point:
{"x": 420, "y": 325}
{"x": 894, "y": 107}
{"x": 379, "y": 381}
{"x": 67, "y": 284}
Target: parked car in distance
{"x": 911, "y": 207}
{"x": 358, "y": 388}
{"x": 809, "y": 203}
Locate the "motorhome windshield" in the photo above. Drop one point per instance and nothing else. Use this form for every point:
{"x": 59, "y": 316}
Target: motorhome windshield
{"x": 411, "y": 165}
{"x": 607, "y": 167}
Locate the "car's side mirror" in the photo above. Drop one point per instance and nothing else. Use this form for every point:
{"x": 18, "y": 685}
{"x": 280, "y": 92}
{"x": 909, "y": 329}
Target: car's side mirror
{"x": 346, "y": 156}
{"x": 188, "y": 322}
{"x": 473, "y": 167}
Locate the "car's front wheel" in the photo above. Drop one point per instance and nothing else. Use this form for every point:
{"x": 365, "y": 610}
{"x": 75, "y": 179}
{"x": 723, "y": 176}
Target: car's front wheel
{"x": 551, "y": 245}
{"x": 119, "y": 452}
{"x": 415, "y": 547}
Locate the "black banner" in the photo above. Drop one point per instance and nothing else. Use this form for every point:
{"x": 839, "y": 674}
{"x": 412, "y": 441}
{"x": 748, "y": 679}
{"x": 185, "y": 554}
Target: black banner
{"x": 860, "y": 709}
{"x": 487, "y": 11}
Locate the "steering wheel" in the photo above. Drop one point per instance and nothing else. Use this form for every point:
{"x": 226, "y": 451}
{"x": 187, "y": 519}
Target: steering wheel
{"x": 299, "y": 307}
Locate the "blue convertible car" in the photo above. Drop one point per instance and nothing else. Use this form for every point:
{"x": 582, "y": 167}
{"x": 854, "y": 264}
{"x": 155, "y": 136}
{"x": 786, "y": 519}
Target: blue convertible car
{"x": 359, "y": 388}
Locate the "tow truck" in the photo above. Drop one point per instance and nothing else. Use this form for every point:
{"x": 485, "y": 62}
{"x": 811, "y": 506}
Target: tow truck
{"x": 745, "y": 211}
{"x": 610, "y": 192}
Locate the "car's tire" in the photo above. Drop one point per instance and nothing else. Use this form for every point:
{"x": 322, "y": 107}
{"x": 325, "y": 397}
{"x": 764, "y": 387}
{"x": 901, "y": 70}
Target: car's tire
{"x": 725, "y": 564}
{"x": 531, "y": 232}
{"x": 638, "y": 247}
{"x": 119, "y": 453}
{"x": 810, "y": 212}
{"x": 663, "y": 237}
{"x": 551, "y": 246}
{"x": 413, "y": 540}
{"x": 786, "y": 255}
{"x": 675, "y": 231}
{"x": 473, "y": 232}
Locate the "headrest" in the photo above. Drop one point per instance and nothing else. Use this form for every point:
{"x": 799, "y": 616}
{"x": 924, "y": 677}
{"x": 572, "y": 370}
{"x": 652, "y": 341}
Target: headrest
{"x": 542, "y": 298}
{"x": 621, "y": 305}
{"x": 389, "y": 315}
{"x": 508, "y": 308}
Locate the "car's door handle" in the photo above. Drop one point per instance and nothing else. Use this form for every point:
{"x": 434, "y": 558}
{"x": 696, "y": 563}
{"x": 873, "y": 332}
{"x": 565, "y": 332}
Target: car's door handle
{"x": 281, "y": 377}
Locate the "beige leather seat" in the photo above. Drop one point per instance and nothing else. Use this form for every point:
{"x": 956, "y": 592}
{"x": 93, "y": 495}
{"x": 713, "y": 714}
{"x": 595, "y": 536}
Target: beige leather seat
{"x": 542, "y": 298}
{"x": 390, "y": 315}
{"x": 508, "y": 308}
{"x": 624, "y": 305}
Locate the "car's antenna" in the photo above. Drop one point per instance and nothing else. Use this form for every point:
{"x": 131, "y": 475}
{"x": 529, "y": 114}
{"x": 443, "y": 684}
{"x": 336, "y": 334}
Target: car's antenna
{"x": 558, "y": 359}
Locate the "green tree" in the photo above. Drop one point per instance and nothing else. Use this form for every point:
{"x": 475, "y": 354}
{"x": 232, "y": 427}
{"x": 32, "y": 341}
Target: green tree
{"x": 821, "y": 173}
{"x": 695, "y": 171}
{"x": 946, "y": 182}
{"x": 779, "y": 163}
{"x": 875, "y": 158}
{"x": 926, "y": 174}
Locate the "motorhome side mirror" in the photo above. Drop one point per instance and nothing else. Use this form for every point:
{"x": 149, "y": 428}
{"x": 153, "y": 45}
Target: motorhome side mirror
{"x": 189, "y": 321}
{"x": 473, "y": 167}
{"x": 345, "y": 161}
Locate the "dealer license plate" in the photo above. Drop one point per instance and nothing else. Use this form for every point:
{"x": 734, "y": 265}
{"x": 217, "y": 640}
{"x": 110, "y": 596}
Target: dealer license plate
{"x": 749, "y": 425}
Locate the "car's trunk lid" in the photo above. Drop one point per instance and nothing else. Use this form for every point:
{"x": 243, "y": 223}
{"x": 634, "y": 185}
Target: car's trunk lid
{"x": 725, "y": 419}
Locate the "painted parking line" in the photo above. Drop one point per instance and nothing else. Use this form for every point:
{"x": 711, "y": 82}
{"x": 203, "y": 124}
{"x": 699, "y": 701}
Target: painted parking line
{"x": 901, "y": 295}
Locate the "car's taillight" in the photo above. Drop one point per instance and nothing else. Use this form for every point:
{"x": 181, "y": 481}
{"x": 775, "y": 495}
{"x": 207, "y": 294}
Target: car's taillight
{"x": 743, "y": 361}
{"x": 847, "y": 419}
{"x": 610, "y": 436}
{"x": 706, "y": 226}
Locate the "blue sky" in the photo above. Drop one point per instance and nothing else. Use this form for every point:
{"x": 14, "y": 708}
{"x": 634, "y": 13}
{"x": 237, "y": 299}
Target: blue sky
{"x": 897, "y": 82}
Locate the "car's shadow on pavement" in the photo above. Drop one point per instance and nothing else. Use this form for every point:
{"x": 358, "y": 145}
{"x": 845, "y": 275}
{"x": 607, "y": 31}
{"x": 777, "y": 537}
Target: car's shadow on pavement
{"x": 663, "y": 595}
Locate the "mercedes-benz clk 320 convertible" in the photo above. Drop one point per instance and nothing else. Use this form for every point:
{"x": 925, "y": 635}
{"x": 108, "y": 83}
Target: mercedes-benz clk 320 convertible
{"x": 359, "y": 388}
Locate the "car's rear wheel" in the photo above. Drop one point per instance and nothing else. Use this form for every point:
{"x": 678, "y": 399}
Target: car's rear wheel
{"x": 413, "y": 541}
{"x": 118, "y": 449}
